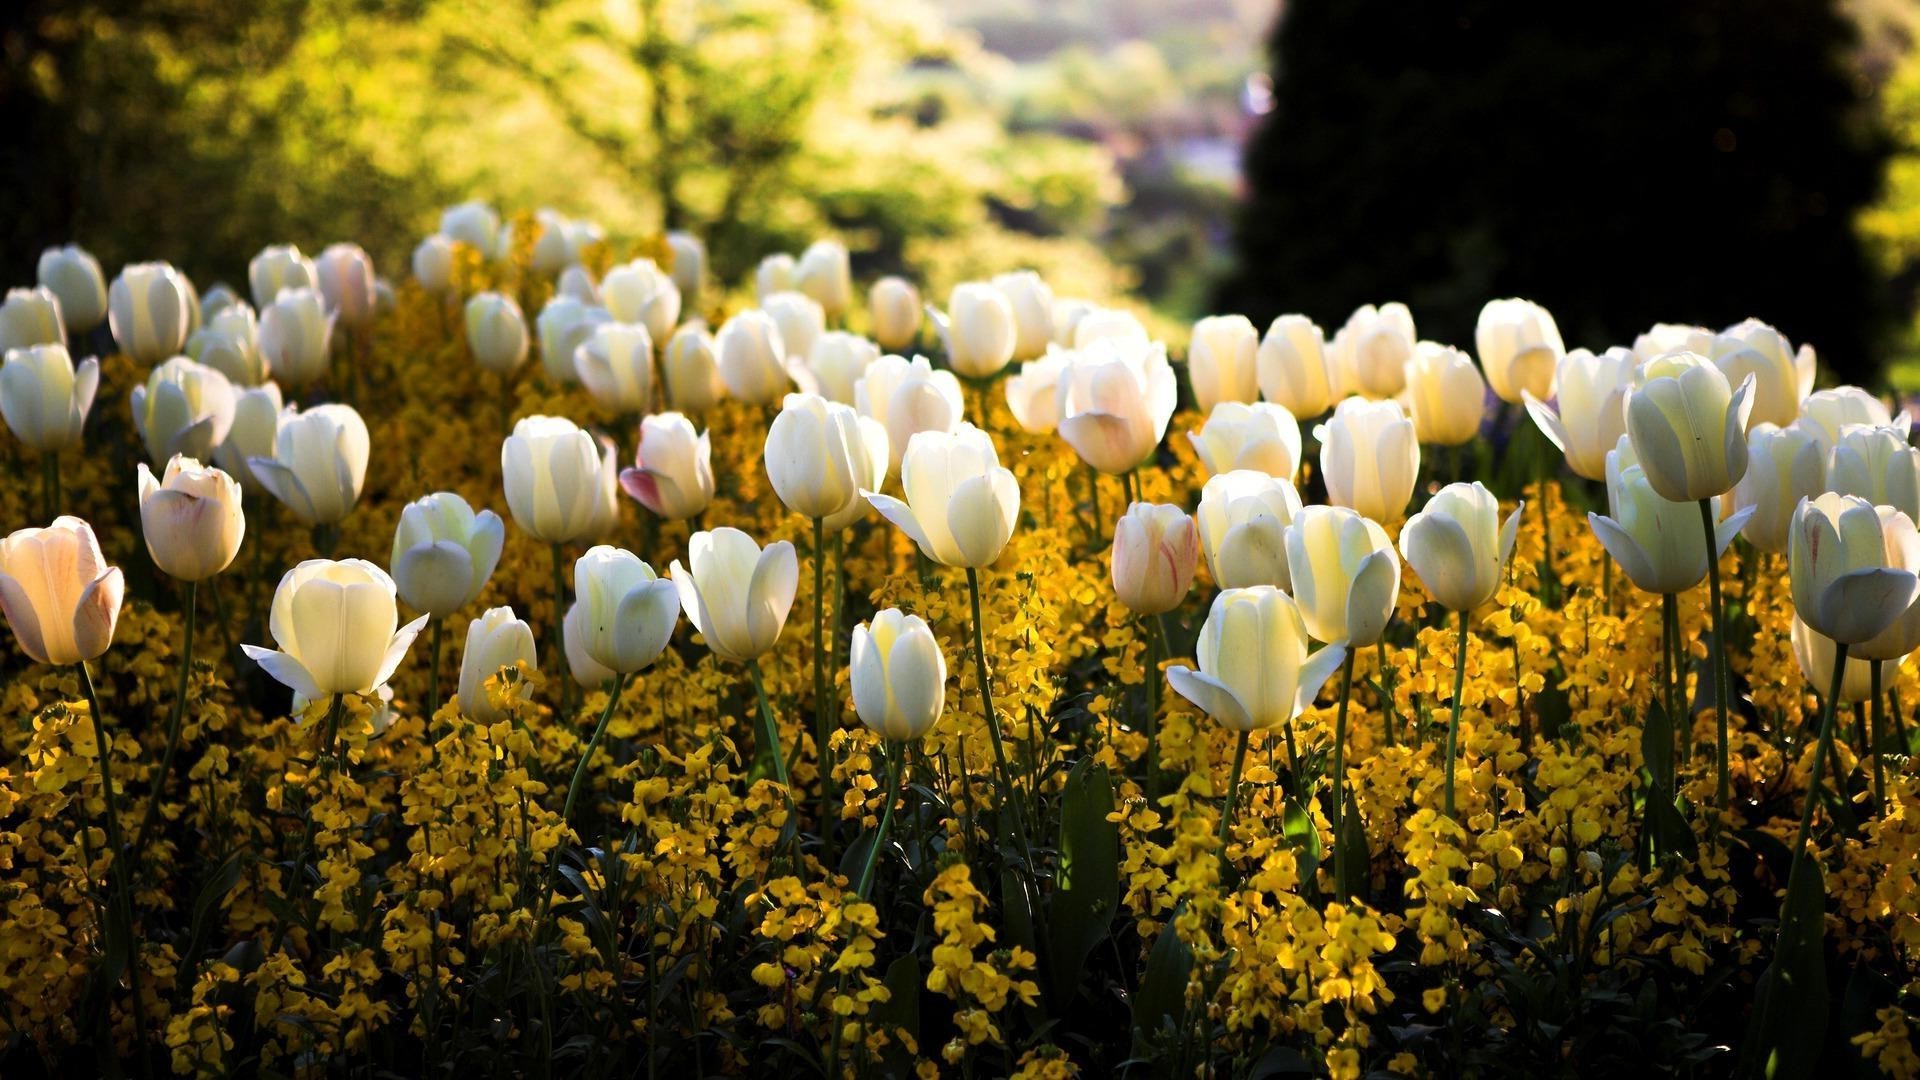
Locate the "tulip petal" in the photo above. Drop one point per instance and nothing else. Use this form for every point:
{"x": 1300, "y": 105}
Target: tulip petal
{"x": 98, "y": 612}
{"x": 1370, "y": 599}
{"x": 1438, "y": 550}
{"x": 1624, "y": 548}
{"x": 1210, "y": 697}
{"x": 770, "y": 594}
{"x": 397, "y": 650}
{"x": 1315, "y": 673}
{"x": 1727, "y": 529}
{"x": 285, "y": 670}
{"x": 901, "y": 515}
{"x": 1546, "y": 419}
{"x": 1860, "y": 604}
{"x": 18, "y": 608}
{"x": 917, "y": 677}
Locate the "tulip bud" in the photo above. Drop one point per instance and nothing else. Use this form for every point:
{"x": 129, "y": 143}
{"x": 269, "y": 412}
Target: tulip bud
{"x": 335, "y": 625}
{"x": 1067, "y": 313}
{"x": 893, "y": 307}
{"x": 690, "y": 369}
{"x": 628, "y": 612}
{"x": 1663, "y": 338}
{"x": 433, "y": 264}
{"x": 1255, "y": 673}
{"x": 672, "y": 473}
{"x": 1099, "y": 324}
{"x": 576, "y": 283}
{"x": 615, "y": 365}
{"x": 817, "y": 456}
{"x": 346, "y": 279}
{"x": 230, "y": 344}
{"x": 444, "y": 553}
{"x": 1262, "y": 436}
{"x": 801, "y": 322}
{"x": 1115, "y": 401}
{"x": 1031, "y": 302}
{"x": 1783, "y": 467}
{"x": 184, "y": 408}
{"x": 736, "y": 594}
{"x": 1591, "y": 412}
{"x": 1154, "y": 551}
{"x": 753, "y": 358}
{"x": 908, "y": 397}
{"x": 1879, "y": 465}
{"x": 1345, "y": 574}
{"x": 495, "y": 640}
{"x": 1243, "y": 518}
{"x": 1848, "y": 567}
{"x": 278, "y": 268}
{"x": 961, "y": 506}
{"x": 553, "y": 474}
{"x": 980, "y": 333}
{"x": 472, "y": 223}
{"x": 640, "y": 292}
{"x": 552, "y": 246}
{"x": 216, "y": 300}
{"x": 825, "y": 273}
{"x": 1458, "y": 546}
{"x": 1689, "y": 427}
{"x": 496, "y": 333}
{"x": 1445, "y": 395}
{"x": 1520, "y": 347}
{"x": 774, "y": 275}
{"x": 1371, "y": 352}
{"x": 1370, "y": 458}
{"x": 45, "y": 398}
{"x": 191, "y": 519}
{"x": 1782, "y": 378}
{"x": 58, "y": 593}
{"x": 1292, "y": 366}
{"x": 689, "y": 266}
{"x": 1825, "y": 414}
{"x": 1222, "y": 361}
{"x": 150, "y": 310}
{"x": 898, "y": 675}
{"x": 319, "y": 463}
{"x": 75, "y": 277}
{"x": 1815, "y": 654}
{"x": 838, "y": 360}
{"x": 565, "y": 323}
{"x": 1033, "y": 395}
{"x": 296, "y": 337}
{"x": 1657, "y": 541}
{"x": 31, "y": 317}
{"x": 254, "y": 432}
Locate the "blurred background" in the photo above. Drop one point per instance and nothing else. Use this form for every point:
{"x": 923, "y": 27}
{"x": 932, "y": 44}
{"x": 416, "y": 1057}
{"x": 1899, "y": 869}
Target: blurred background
{"x": 1645, "y": 160}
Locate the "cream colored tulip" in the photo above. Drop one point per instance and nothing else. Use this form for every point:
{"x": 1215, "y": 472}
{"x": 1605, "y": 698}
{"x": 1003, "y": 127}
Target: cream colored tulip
{"x": 775, "y": 274}
{"x": 432, "y": 264}
{"x": 565, "y": 323}
{"x": 1345, "y": 574}
{"x": 1155, "y": 548}
{"x": 75, "y": 277}
{"x": 1815, "y": 652}
{"x": 1689, "y": 427}
{"x": 961, "y": 506}
{"x": 898, "y": 675}
{"x": 319, "y": 463}
{"x": 496, "y": 333}
{"x": 1783, "y": 467}
{"x": 1663, "y": 338}
{"x": 1116, "y": 399}
{"x": 1446, "y": 397}
{"x": 552, "y": 471}
{"x": 444, "y": 553}
{"x": 816, "y": 455}
{"x": 344, "y": 275}
{"x": 753, "y": 358}
{"x": 689, "y": 266}
{"x": 908, "y": 397}
{"x": 1520, "y": 348}
{"x": 1255, "y": 672}
{"x": 629, "y": 611}
{"x": 1242, "y": 522}
{"x": 615, "y": 365}
{"x": 1590, "y": 412}
{"x": 1657, "y": 541}
{"x": 230, "y": 344}
{"x": 1101, "y": 324}
{"x": 737, "y": 594}
{"x": 254, "y": 433}
{"x": 1458, "y": 546}
{"x": 276, "y": 269}
{"x": 191, "y": 519}
{"x": 825, "y": 273}
{"x": 1825, "y": 414}
{"x": 1033, "y": 395}
{"x": 150, "y": 308}
{"x": 1903, "y": 553}
{"x": 577, "y": 283}
{"x": 640, "y": 292}
{"x": 893, "y": 312}
{"x": 1848, "y": 568}
{"x": 335, "y": 625}
{"x": 1067, "y": 313}
{"x": 801, "y": 322}
{"x": 296, "y": 337}
{"x": 495, "y": 640}
{"x": 586, "y": 671}
{"x": 1370, "y": 353}
{"x": 1222, "y": 361}
{"x": 30, "y": 317}
{"x": 1782, "y": 378}
{"x": 1879, "y": 465}
{"x": 58, "y": 593}
{"x": 1031, "y": 302}
{"x": 672, "y": 472}
{"x": 1369, "y": 458}
{"x": 979, "y": 330}
{"x": 1292, "y": 366}
{"x": 837, "y": 362}
{"x": 551, "y": 248}
{"x": 474, "y": 224}
{"x": 45, "y": 398}
{"x": 184, "y": 408}
{"x": 1262, "y": 436}
{"x": 690, "y": 370}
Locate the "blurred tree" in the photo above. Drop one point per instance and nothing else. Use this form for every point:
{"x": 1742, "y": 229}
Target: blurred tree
{"x": 1689, "y": 160}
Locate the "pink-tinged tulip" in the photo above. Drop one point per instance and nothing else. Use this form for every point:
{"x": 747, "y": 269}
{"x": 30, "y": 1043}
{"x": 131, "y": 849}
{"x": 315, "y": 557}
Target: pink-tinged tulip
{"x": 672, "y": 473}
{"x": 1850, "y": 568}
{"x": 1154, "y": 551}
{"x": 1116, "y": 399}
{"x": 58, "y": 593}
{"x": 191, "y": 519}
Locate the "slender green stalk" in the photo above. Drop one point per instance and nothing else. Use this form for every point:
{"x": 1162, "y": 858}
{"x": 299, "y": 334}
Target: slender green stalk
{"x": 822, "y": 714}
{"x": 433, "y": 674}
{"x": 993, "y": 718}
{"x": 1453, "y": 723}
{"x": 599, "y": 733}
{"x": 1340, "y": 870}
{"x": 49, "y": 486}
{"x": 886, "y": 821}
{"x": 1874, "y": 733}
{"x": 1823, "y": 748}
{"x": 1722, "y": 682}
{"x": 559, "y": 643}
{"x": 1233, "y": 793}
{"x": 1675, "y": 682}
{"x": 173, "y": 728}
{"x": 121, "y": 924}
{"x": 1551, "y": 583}
{"x": 1155, "y": 653}
{"x": 769, "y": 736}
{"x": 330, "y": 758}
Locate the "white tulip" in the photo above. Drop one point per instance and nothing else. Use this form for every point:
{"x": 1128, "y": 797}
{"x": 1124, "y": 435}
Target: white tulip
{"x": 1033, "y": 395}
{"x": 1458, "y": 545}
{"x": 319, "y": 463}
{"x": 1879, "y": 465}
{"x": 1243, "y": 517}
{"x": 838, "y": 360}
{"x": 629, "y": 612}
{"x": 1031, "y": 303}
{"x": 564, "y": 323}
{"x": 31, "y": 317}
{"x": 150, "y": 308}
{"x": 1370, "y": 353}
{"x": 1445, "y": 395}
{"x": 1782, "y": 377}
{"x": 1520, "y": 348}
{"x": 433, "y": 264}
{"x": 296, "y": 337}
{"x": 737, "y": 594}
{"x": 897, "y": 674}
{"x": 1222, "y": 361}
{"x": 615, "y": 365}
{"x": 254, "y": 433}
{"x": 640, "y": 292}
{"x": 753, "y": 357}
{"x": 1369, "y": 458}
{"x": 75, "y": 277}
{"x": 774, "y": 274}
{"x": 444, "y": 553}
{"x": 1590, "y": 412}
{"x": 824, "y": 272}
{"x": 689, "y": 265}
{"x": 184, "y": 408}
{"x": 980, "y": 332}
{"x": 554, "y": 474}
{"x": 1783, "y": 467}
{"x": 1292, "y": 366}
{"x": 1261, "y": 436}
{"x": 1346, "y": 576}
{"x": 474, "y": 224}
{"x": 278, "y": 268}
{"x": 961, "y": 506}
{"x": 495, "y": 640}
{"x": 908, "y": 397}
{"x": 335, "y": 623}
{"x": 496, "y": 333}
{"x": 690, "y": 369}
{"x": 893, "y": 310}
{"x": 45, "y": 398}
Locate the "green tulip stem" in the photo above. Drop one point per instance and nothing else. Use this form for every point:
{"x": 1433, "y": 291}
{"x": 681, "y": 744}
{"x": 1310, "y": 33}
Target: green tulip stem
{"x": 1093, "y": 495}
{"x": 1722, "y": 682}
{"x": 1233, "y": 793}
{"x": 120, "y": 923}
{"x": 769, "y": 731}
{"x": 822, "y": 713}
{"x": 1341, "y": 871}
{"x": 599, "y": 733}
{"x": 886, "y": 821}
{"x": 1675, "y": 683}
{"x": 1823, "y": 748}
{"x": 1453, "y": 722}
{"x": 50, "y": 485}
{"x": 1007, "y": 797}
{"x": 1879, "y": 719}
{"x": 433, "y": 675}
{"x": 559, "y": 645}
{"x": 1550, "y": 577}
{"x": 1156, "y": 652}
{"x": 173, "y": 727}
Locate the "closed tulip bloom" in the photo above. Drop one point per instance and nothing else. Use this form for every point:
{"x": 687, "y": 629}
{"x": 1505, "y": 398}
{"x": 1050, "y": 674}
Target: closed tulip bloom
{"x": 1825, "y": 414}
{"x": 1657, "y": 541}
{"x": 1689, "y": 427}
{"x": 980, "y": 332}
{"x": 898, "y": 675}
{"x": 1374, "y": 348}
{"x": 908, "y": 397}
{"x": 961, "y": 506}
{"x": 1783, "y": 467}
{"x": 495, "y": 640}
{"x": 230, "y": 344}
{"x": 1262, "y": 436}
{"x": 150, "y": 309}
{"x": 496, "y": 333}
{"x": 838, "y": 360}
{"x": 737, "y": 594}
{"x": 191, "y": 519}
{"x": 75, "y": 277}
{"x": 1116, "y": 398}
{"x": 218, "y": 299}
{"x": 775, "y": 274}
{"x": 345, "y": 277}
{"x": 629, "y": 612}
{"x": 1590, "y": 414}
{"x": 753, "y": 358}
{"x": 1101, "y": 323}
{"x": 1255, "y": 672}
{"x": 296, "y": 337}
{"x": 58, "y": 593}
{"x": 1848, "y": 568}
{"x": 31, "y": 317}
{"x": 278, "y": 268}
{"x": 1067, "y": 313}
{"x": 1663, "y": 338}
{"x": 640, "y": 292}
{"x": 615, "y": 366}
{"x": 565, "y": 323}
{"x": 813, "y": 447}
{"x": 254, "y": 433}
{"x": 1292, "y": 366}
{"x": 1520, "y": 347}
{"x": 1782, "y": 378}
{"x": 472, "y": 223}
{"x": 1815, "y": 654}
{"x": 444, "y": 553}
{"x": 433, "y": 264}
{"x": 1031, "y": 302}
{"x": 585, "y": 670}
{"x": 1242, "y": 522}
{"x": 1155, "y": 548}
{"x": 1370, "y": 458}
{"x": 689, "y": 265}
{"x": 335, "y": 625}
{"x": 1222, "y": 361}
{"x": 893, "y": 307}
{"x": 1879, "y": 465}
{"x": 1458, "y": 545}
{"x": 45, "y": 398}
{"x": 184, "y": 408}
{"x": 1345, "y": 574}
{"x": 690, "y": 369}
{"x": 1903, "y": 553}
{"x": 605, "y": 512}
{"x": 801, "y": 322}
{"x": 1033, "y": 395}
{"x": 576, "y": 282}
{"x": 319, "y": 463}
{"x": 552, "y": 474}
{"x": 825, "y": 273}
{"x": 672, "y": 473}
{"x": 1445, "y": 395}
{"x": 548, "y": 252}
